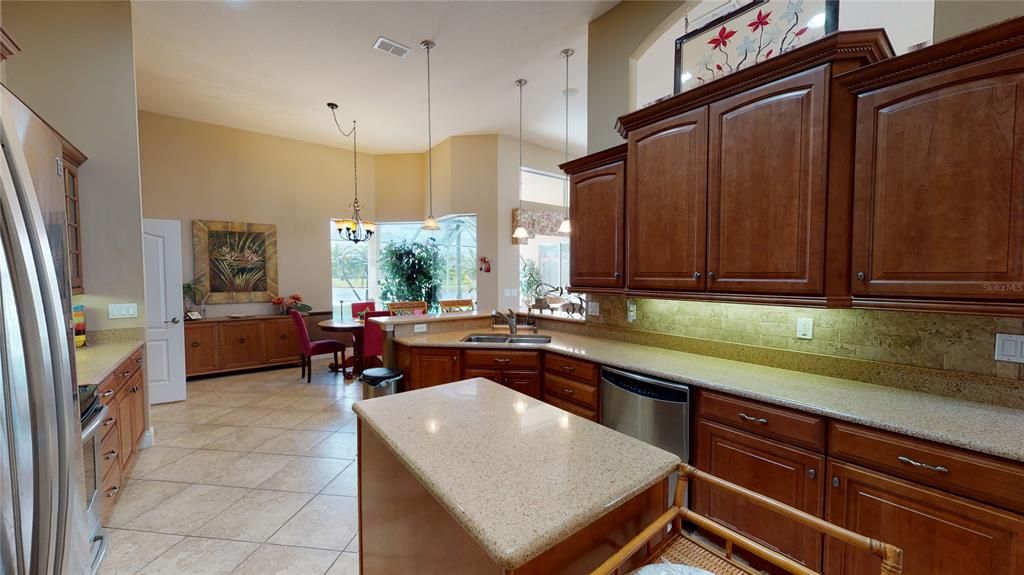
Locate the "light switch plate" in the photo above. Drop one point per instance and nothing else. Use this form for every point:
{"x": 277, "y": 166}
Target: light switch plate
{"x": 420, "y": 328}
{"x": 630, "y": 310}
{"x": 122, "y": 310}
{"x": 593, "y": 308}
{"x": 1010, "y": 347}
{"x": 805, "y": 328}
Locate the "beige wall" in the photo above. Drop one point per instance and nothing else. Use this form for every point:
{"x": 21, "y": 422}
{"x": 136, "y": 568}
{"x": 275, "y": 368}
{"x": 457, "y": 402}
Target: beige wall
{"x": 400, "y": 193}
{"x": 613, "y": 38}
{"x": 76, "y": 70}
{"x": 192, "y": 170}
{"x": 955, "y": 17}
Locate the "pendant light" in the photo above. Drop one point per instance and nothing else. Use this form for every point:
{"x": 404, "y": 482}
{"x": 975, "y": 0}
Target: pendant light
{"x": 520, "y": 233}
{"x": 429, "y": 224}
{"x": 566, "y": 227}
{"x": 354, "y": 229}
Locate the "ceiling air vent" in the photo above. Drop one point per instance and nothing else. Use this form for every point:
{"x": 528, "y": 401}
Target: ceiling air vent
{"x": 390, "y": 47}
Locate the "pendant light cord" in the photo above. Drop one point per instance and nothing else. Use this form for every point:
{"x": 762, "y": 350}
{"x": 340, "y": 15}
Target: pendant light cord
{"x": 355, "y": 146}
{"x": 430, "y": 137}
{"x": 520, "y": 83}
{"x": 568, "y": 52}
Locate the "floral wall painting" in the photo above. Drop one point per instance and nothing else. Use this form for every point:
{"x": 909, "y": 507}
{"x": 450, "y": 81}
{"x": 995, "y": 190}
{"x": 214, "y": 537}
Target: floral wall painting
{"x": 235, "y": 262}
{"x": 754, "y": 32}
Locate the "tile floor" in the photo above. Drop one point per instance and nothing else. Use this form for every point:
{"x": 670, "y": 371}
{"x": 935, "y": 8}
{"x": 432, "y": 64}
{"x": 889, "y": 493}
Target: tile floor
{"x": 254, "y": 474}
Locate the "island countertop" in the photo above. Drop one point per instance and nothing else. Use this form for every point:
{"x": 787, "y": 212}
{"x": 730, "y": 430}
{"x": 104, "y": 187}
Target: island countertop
{"x": 518, "y": 474}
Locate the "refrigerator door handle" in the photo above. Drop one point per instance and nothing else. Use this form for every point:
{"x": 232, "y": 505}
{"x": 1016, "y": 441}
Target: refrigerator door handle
{"x": 46, "y": 356}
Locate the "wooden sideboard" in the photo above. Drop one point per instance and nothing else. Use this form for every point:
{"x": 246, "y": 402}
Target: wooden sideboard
{"x": 220, "y": 345}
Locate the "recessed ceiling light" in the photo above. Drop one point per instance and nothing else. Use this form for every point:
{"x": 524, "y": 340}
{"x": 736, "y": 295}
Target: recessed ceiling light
{"x": 817, "y": 21}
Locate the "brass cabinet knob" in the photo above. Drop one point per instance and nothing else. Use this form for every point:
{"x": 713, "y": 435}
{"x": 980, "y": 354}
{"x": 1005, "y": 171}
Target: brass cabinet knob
{"x": 195, "y": 344}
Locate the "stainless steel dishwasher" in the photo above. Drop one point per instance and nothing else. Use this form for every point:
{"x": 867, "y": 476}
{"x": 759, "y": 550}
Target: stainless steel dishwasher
{"x": 650, "y": 409}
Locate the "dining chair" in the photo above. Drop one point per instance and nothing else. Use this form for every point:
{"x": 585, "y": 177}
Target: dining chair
{"x": 373, "y": 340}
{"x": 408, "y": 307}
{"x": 307, "y": 349}
{"x": 359, "y": 307}
{"x": 455, "y": 305}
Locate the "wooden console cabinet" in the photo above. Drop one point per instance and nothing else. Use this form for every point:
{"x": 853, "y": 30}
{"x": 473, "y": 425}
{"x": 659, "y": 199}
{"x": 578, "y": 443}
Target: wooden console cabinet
{"x": 223, "y": 344}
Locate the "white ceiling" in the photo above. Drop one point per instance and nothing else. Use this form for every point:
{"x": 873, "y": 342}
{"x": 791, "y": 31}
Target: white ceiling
{"x": 270, "y": 67}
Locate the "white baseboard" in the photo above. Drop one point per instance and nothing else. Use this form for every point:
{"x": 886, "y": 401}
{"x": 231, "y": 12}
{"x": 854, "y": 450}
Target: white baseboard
{"x": 147, "y": 439}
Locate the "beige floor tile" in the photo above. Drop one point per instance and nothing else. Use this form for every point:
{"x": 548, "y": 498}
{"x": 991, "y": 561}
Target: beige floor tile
{"x": 226, "y": 399}
{"x": 293, "y": 442}
{"x": 276, "y": 401}
{"x": 306, "y": 475}
{"x": 188, "y": 510}
{"x": 129, "y": 551}
{"x": 245, "y": 438}
{"x": 139, "y": 496}
{"x": 195, "y": 556}
{"x": 351, "y": 426}
{"x": 326, "y": 421}
{"x": 189, "y": 435}
{"x": 284, "y": 418}
{"x": 153, "y": 458}
{"x": 281, "y": 560}
{"x": 346, "y": 483}
{"x": 347, "y": 564}
{"x": 353, "y": 545}
{"x": 194, "y": 467}
{"x": 338, "y": 445}
{"x": 254, "y": 517}
{"x": 316, "y": 403}
{"x": 326, "y": 522}
{"x": 244, "y": 416}
{"x": 184, "y": 412}
{"x": 250, "y": 470}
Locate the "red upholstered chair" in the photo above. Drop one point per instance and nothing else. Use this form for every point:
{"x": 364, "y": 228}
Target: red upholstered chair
{"x": 361, "y": 306}
{"x": 373, "y": 340}
{"x": 307, "y": 349}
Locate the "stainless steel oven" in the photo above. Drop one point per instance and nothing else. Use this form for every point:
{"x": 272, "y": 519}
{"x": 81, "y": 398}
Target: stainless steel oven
{"x": 94, "y": 417}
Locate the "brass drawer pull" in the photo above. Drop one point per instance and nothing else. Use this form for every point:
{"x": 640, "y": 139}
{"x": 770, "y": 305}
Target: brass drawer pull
{"x": 569, "y": 368}
{"x": 112, "y": 491}
{"x": 567, "y": 390}
{"x": 919, "y": 465}
{"x": 502, "y": 360}
{"x": 126, "y": 373}
{"x": 753, "y": 419}
{"x": 138, "y": 360}
{"x": 107, "y": 393}
{"x": 110, "y": 455}
{"x": 195, "y": 344}
{"x": 109, "y": 421}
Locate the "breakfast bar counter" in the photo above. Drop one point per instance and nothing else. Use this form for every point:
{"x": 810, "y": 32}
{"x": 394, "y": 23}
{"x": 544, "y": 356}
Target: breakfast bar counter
{"x": 472, "y": 477}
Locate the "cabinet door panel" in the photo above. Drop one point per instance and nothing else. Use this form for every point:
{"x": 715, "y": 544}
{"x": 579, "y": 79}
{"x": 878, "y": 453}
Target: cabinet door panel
{"x": 240, "y": 344}
{"x": 436, "y": 367}
{"x": 940, "y": 534}
{"x": 786, "y": 474}
{"x": 597, "y": 212}
{"x": 126, "y": 425}
{"x": 279, "y": 341}
{"x": 525, "y": 382}
{"x": 939, "y": 185}
{"x": 767, "y": 188}
{"x": 666, "y": 203}
{"x": 200, "y": 348}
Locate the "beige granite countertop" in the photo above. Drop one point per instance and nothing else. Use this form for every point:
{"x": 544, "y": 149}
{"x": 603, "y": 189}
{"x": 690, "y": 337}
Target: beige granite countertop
{"x": 526, "y": 474}
{"x": 430, "y": 318}
{"x": 977, "y": 426}
{"x": 93, "y": 363}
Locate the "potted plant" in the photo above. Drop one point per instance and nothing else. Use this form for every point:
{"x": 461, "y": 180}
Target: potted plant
{"x": 411, "y": 272}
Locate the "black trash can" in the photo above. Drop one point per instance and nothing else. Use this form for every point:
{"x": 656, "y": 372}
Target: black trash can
{"x": 380, "y": 381}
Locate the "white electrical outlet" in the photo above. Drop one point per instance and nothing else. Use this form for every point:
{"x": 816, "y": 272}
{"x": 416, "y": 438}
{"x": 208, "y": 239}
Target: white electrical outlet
{"x": 122, "y": 310}
{"x": 630, "y": 310}
{"x": 805, "y": 328}
{"x": 593, "y": 308}
{"x": 420, "y": 328}
{"x": 1010, "y": 347}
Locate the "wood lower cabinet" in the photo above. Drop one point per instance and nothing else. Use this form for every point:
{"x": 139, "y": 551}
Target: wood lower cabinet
{"x": 787, "y": 474}
{"x": 940, "y": 534}
{"x": 597, "y": 189}
{"x": 518, "y": 370}
{"x": 433, "y": 366}
{"x": 220, "y": 345}
{"x": 767, "y": 187}
{"x": 124, "y": 394}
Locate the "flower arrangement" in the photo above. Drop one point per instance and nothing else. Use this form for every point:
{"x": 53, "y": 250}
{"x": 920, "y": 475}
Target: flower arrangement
{"x": 293, "y": 301}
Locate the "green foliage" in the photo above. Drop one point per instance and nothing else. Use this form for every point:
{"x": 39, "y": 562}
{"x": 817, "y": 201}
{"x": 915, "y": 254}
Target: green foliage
{"x": 348, "y": 268}
{"x": 238, "y": 261}
{"x": 411, "y": 272}
{"x": 529, "y": 280}
{"x": 191, "y": 292}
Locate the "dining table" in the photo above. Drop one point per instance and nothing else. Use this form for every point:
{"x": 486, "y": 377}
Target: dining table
{"x": 354, "y": 327}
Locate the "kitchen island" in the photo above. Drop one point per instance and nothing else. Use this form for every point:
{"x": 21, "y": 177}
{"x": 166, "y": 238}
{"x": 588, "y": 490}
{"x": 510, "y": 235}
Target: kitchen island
{"x": 471, "y": 477}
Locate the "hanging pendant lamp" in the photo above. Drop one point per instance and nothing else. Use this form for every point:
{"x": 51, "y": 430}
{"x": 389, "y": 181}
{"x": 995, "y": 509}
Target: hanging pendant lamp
{"x": 429, "y": 224}
{"x": 353, "y": 229}
{"x": 520, "y": 233}
{"x": 566, "y": 227}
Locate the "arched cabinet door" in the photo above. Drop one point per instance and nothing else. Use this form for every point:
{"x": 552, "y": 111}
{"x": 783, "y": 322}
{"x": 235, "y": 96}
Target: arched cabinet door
{"x": 939, "y": 185}
{"x": 597, "y": 239}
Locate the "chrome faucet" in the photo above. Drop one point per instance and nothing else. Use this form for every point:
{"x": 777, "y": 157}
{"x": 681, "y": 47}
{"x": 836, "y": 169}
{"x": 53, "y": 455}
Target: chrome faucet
{"x": 510, "y": 319}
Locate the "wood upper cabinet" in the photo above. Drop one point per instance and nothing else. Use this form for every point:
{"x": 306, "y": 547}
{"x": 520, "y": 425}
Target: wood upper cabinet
{"x": 435, "y": 366}
{"x": 200, "y": 348}
{"x": 240, "y": 344}
{"x": 280, "y": 343}
{"x": 787, "y": 474}
{"x": 939, "y": 533}
{"x": 939, "y": 185}
{"x": 74, "y": 223}
{"x": 666, "y": 203}
{"x": 767, "y": 188}
{"x": 597, "y": 189}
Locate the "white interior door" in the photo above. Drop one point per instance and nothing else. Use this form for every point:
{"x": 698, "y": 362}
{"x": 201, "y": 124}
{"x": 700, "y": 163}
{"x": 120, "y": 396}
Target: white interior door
{"x": 165, "y": 330}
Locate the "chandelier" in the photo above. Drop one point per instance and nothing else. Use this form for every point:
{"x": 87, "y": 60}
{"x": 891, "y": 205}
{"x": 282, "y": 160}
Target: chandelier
{"x": 354, "y": 229}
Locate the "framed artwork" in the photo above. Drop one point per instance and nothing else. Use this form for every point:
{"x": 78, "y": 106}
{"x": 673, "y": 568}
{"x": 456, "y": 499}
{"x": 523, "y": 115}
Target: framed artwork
{"x": 235, "y": 262}
{"x": 754, "y": 32}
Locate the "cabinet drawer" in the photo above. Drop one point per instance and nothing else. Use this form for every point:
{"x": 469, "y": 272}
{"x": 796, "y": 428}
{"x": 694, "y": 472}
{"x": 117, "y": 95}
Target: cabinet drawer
{"x": 109, "y": 424}
{"x": 500, "y": 359}
{"x": 571, "y": 390}
{"x": 777, "y": 422}
{"x": 110, "y": 448}
{"x": 571, "y": 367}
{"x": 109, "y": 489}
{"x": 958, "y": 471}
{"x": 573, "y": 408}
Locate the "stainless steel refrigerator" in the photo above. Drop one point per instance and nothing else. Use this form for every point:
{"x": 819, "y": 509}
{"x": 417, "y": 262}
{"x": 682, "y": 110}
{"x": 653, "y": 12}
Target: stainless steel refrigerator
{"x": 46, "y": 526}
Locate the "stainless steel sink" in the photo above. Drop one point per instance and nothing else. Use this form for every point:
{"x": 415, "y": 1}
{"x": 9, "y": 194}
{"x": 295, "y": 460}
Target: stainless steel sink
{"x": 512, "y": 339}
{"x": 529, "y": 339}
